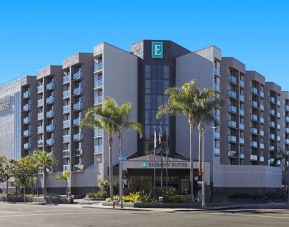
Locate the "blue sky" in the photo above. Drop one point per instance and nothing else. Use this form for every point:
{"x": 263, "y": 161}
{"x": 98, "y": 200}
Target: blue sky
{"x": 34, "y": 34}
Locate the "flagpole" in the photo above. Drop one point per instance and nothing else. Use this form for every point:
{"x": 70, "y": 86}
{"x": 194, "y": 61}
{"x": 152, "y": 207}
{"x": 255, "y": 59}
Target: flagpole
{"x": 154, "y": 180}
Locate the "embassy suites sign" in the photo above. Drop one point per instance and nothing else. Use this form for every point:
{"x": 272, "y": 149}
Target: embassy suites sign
{"x": 5, "y": 103}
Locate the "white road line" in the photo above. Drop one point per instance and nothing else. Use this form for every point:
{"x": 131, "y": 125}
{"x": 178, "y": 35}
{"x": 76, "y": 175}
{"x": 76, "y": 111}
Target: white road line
{"x": 251, "y": 215}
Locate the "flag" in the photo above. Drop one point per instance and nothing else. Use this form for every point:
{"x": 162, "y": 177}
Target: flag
{"x": 161, "y": 136}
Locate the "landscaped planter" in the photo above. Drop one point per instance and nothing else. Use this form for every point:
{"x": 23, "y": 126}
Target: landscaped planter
{"x": 156, "y": 205}
{"x": 44, "y": 200}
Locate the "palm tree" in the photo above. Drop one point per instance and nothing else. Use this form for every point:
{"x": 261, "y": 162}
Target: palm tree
{"x": 183, "y": 101}
{"x": 44, "y": 161}
{"x": 204, "y": 113}
{"x": 111, "y": 118}
{"x": 64, "y": 177}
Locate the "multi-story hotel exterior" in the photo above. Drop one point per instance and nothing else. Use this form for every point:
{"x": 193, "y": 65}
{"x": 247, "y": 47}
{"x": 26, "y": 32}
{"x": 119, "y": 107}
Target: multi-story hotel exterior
{"x": 246, "y": 149}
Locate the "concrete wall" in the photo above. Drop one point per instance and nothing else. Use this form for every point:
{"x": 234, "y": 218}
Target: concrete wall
{"x": 189, "y": 67}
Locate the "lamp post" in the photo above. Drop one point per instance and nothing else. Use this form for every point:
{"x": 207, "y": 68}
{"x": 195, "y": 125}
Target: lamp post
{"x": 120, "y": 158}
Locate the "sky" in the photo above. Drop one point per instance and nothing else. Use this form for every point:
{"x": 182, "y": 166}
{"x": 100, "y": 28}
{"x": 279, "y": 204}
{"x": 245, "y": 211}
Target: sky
{"x": 34, "y": 34}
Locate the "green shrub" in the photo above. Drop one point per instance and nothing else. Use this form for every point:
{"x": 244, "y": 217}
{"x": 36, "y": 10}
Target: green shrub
{"x": 134, "y": 197}
{"x": 177, "y": 199}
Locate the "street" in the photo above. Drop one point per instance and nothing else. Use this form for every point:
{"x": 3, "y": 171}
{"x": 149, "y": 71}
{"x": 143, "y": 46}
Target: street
{"x": 71, "y": 215}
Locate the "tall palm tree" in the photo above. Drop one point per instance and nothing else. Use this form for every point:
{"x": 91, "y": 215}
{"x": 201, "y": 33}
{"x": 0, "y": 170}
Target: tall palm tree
{"x": 64, "y": 177}
{"x": 110, "y": 117}
{"x": 206, "y": 103}
{"x": 182, "y": 100}
{"x": 43, "y": 161}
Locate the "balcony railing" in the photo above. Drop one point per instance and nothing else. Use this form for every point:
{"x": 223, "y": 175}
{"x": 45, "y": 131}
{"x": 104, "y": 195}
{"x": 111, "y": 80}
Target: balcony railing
{"x": 232, "y": 109}
{"x": 216, "y": 135}
{"x": 286, "y": 141}
{"x": 272, "y": 112}
{"x": 66, "y": 153}
{"x": 78, "y": 106}
{"x": 66, "y": 79}
{"x": 242, "y": 98}
{"x": 97, "y": 67}
{"x": 232, "y": 79}
{"x": 50, "y": 128}
{"x": 66, "y": 167}
{"x": 241, "y": 126}
{"x": 98, "y": 100}
{"x": 66, "y": 124}
{"x": 78, "y": 75}
{"x": 40, "y": 130}
{"x": 232, "y": 139}
{"x": 242, "y": 156}
{"x": 77, "y": 136}
{"x": 242, "y": 112}
{"x": 253, "y": 157}
{"x": 254, "y": 117}
{"x": 26, "y": 133}
{"x": 66, "y": 94}
{"x": 272, "y": 99}
{"x": 287, "y": 107}
{"x": 232, "y": 94}
{"x": 262, "y": 133}
{"x": 50, "y": 113}
{"x": 26, "y": 120}
{"x": 242, "y": 83}
{"x": 50, "y": 100}
{"x": 78, "y": 91}
{"x": 254, "y": 131}
{"x": 98, "y": 132}
{"x": 261, "y": 158}
{"x": 217, "y": 87}
{"x": 50, "y": 86}
{"x": 262, "y": 120}
{"x": 98, "y": 149}
{"x": 272, "y": 136}
{"x": 40, "y": 89}
{"x": 262, "y": 107}
{"x": 271, "y": 148}
{"x": 26, "y": 146}
{"x": 241, "y": 140}
{"x": 77, "y": 121}
{"x": 217, "y": 71}
{"x": 232, "y": 154}
{"x": 261, "y": 145}
{"x": 50, "y": 142}
{"x": 217, "y": 151}
{"x": 254, "y": 104}
{"x": 254, "y": 144}
{"x": 254, "y": 90}
{"x": 66, "y": 138}
{"x": 40, "y": 143}
{"x": 26, "y": 94}
{"x": 78, "y": 152}
{"x": 40, "y": 102}
{"x": 98, "y": 83}
{"x": 272, "y": 124}
{"x": 27, "y": 107}
{"x": 232, "y": 124}
{"x": 66, "y": 109}
{"x": 287, "y": 119}
{"x": 262, "y": 94}
{"x": 287, "y": 130}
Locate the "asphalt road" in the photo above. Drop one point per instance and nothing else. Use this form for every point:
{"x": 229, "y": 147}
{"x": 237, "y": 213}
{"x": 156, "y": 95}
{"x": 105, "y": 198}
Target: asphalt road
{"x": 61, "y": 215}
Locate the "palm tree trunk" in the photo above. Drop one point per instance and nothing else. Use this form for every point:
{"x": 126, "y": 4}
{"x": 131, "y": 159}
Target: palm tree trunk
{"x": 191, "y": 165}
{"x": 110, "y": 167}
{"x": 7, "y": 187}
{"x": 24, "y": 197}
{"x": 44, "y": 182}
{"x": 202, "y": 133}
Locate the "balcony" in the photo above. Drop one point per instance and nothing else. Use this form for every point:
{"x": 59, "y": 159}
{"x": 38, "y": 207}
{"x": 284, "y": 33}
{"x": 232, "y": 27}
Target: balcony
{"x": 262, "y": 94}
{"x": 241, "y": 141}
{"x": 261, "y": 158}
{"x": 66, "y": 94}
{"x": 217, "y": 87}
{"x": 50, "y": 113}
{"x": 232, "y": 124}
{"x": 66, "y": 79}
{"x": 262, "y": 107}
{"x": 254, "y": 90}
{"x": 78, "y": 91}
{"x": 26, "y": 133}
{"x": 78, "y": 152}
{"x": 40, "y": 130}
{"x": 26, "y": 146}
{"x": 278, "y": 103}
{"x": 272, "y": 124}
{"x": 242, "y": 112}
{"x": 271, "y": 148}
{"x": 241, "y": 126}
{"x": 50, "y": 142}
{"x": 50, "y": 86}
{"x": 98, "y": 149}
{"x": 217, "y": 71}
{"x": 66, "y": 153}
{"x": 50, "y": 128}
{"x": 77, "y": 136}
{"x": 40, "y": 89}
{"x": 98, "y": 133}
{"x": 278, "y": 126}
{"x": 278, "y": 114}
{"x": 26, "y": 107}
{"x": 262, "y": 120}
{"x": 272, "y": 112}
{"x": 97, "y": 66}
{"x": 272, "y": 136}
{"x": 66, "y": 109}
{"x": 287, "y": 119}
{"x": 286, "y": 141}
{"x": 78, "y": 106}
{"x": 232, "y": 94}
{"x": 254, "y": 104}
{"x": 40, "y": 102}
{"x": 78, "y": 75}
{"x": 98, "y": 83}
{"x": 50, "y": 100}
{"x": 254, "y": 131}
{"x": 26, "y": 94}
{"x": 66, "y": 167}
{"x": 261, "y": 145}
{"x": 66, "y": 138}
{"x": 216, "y": 135}
{"x": 242, "y": 83}
{"x": 254, "y": 117}
{"x": 232, "y": 109}
{"x": 78, "y": 167}
{"x": 77, "y": 121}
{"x": 40, "y": 143}
{"x": 217, "y": 118}
{"x": 26, "y": 120}
{"x": 287, "y": 107}
{"x": 272, "y": 99}
{"x": 254, "y": 144}
{"x": 287, "y": 130}
{"x": 232, "y": 154}
{"x": 242, "y": 156}
{"x": 242, "y": 98}
{"x": 232, "y": 79}
{"x": 253, "y": 157}
{"x": 98, "y": 100}
{"x": 66, "y": 124}
{"x": 278, "y": 138}
{"x": 261, "y": 133}
{"x": 232, "y": 139}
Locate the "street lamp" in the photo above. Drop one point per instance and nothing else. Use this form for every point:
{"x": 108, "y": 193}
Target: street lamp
{"x": 120, "y": 157}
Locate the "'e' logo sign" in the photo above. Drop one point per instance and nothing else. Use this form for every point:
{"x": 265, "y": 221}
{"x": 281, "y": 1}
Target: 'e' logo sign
{"x": 157, "y": 49}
